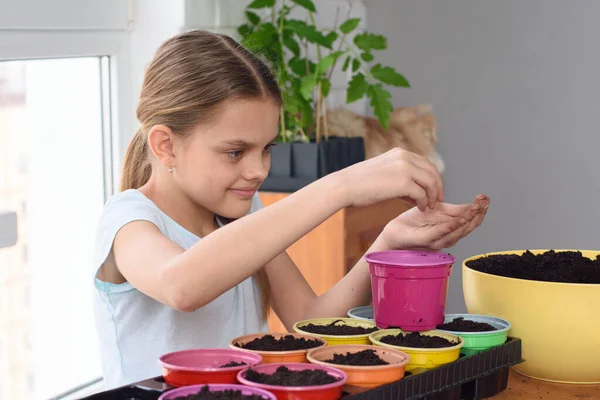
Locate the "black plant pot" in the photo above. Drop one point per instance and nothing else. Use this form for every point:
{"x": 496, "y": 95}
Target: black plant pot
{"x": 295, "y": 165}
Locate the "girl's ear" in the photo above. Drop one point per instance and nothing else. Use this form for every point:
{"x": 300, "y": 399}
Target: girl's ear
{"x": 160, "y": 141}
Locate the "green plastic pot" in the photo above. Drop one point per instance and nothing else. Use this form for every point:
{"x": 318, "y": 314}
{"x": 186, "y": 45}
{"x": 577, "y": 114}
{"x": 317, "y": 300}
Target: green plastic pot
{"x": 476, "y": 342}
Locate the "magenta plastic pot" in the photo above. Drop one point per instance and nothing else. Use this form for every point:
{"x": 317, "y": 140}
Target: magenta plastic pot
{"x": 195, "y": 389}
{"x": 409, "y": 288}
{"x": 331, "y": 391}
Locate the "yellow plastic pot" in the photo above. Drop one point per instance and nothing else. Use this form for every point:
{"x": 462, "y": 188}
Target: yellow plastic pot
{"x": 558, "y": 323}
{"x": 333, "y": 340}
{"x": 422, "y": 359}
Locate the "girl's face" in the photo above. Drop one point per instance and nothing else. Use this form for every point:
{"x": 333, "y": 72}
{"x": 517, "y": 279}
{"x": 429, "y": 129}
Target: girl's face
{"x": 220, "y": 166}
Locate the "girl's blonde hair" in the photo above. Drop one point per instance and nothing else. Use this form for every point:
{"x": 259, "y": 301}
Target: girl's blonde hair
{"x": 191, "y": 77}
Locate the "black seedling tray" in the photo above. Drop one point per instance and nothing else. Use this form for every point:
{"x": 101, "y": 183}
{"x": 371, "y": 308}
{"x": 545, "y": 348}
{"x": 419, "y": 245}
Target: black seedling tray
{"x": 475, "y": 377}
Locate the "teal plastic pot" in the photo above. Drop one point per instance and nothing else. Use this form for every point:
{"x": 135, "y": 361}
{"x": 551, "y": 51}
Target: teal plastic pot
{"x": 476, "y": 342}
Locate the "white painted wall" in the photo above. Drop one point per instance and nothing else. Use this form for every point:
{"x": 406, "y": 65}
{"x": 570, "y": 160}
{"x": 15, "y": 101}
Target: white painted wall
{"x": 516, "y": 90}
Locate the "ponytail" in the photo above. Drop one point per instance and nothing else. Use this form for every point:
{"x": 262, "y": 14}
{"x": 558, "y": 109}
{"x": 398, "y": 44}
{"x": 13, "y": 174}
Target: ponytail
{"x": 136, "y": 167}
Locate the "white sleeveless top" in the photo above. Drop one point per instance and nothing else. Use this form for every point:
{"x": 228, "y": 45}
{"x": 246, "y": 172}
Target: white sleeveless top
{"x": 134, "y": 330}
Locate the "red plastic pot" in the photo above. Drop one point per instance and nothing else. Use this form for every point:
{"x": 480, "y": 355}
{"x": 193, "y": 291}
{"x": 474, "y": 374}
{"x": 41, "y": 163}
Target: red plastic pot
{"x": 202, "y": 366}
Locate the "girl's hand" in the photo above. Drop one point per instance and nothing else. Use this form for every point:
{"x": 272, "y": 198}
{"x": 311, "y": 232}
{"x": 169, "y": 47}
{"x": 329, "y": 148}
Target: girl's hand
{"x": 436, "y": 229}
{"x": 395, "y": 174}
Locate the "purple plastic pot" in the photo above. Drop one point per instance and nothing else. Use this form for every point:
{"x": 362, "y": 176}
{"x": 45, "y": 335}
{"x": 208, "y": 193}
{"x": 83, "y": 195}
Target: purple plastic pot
{"x": 195, "y": 389}
{"x": 409, "y": 288}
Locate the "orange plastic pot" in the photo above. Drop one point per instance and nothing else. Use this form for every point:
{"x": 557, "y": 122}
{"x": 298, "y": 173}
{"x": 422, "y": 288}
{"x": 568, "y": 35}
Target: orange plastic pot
{"x": 272, "y": 357}
{"x": 364, "y": 376}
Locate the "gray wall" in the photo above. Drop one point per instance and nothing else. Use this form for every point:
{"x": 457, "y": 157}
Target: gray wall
{"x": 515, "y": 86}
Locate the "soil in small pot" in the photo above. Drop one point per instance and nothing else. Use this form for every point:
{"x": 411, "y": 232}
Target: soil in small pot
{"x": 364, "y": 357}
{"x": 283, "y": 376}
{"x": 550, "y": 266}
{"x": 285, "y": 343}
{"x": 464, "y": 325}
{"x": 232, "y": 364}
{"x": 416, "y": 340}
{"x": 337, "y": 330}
{"x": 206, "y": 394}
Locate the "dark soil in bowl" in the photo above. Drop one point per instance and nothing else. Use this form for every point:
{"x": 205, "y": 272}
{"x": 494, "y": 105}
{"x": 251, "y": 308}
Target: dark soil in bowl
{"x": 283, "y": 376}
{"x": 416, "y": 340}
{"x": 233, "y": 364}
{"x": 364, "y": 357}
{"x": 464, "y": 325}
{"x": 285, "y": 343}
{"x": 337, "y": 330}
{"x": 550, "y": 266}
{"x": 206, "y": 394}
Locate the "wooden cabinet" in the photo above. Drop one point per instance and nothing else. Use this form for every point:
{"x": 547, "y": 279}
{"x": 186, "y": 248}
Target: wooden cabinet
{"x": 327, "y": 253}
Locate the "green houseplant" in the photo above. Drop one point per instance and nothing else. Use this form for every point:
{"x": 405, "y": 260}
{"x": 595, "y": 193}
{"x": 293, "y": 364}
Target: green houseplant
{"x": 304, "y": 57}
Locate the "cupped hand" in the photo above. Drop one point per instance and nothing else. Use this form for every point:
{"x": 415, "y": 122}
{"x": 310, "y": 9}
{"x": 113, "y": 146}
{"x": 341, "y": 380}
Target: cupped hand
{"x": 437, "y": 228}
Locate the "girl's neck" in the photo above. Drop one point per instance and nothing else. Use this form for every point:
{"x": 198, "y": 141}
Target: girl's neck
{"x": 179, "y": 207}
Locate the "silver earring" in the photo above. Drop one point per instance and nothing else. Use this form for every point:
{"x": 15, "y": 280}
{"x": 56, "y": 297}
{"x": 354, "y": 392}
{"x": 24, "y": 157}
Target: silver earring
{"x": 171, "y": 170}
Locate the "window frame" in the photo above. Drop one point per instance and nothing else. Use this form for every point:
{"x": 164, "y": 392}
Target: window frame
{"x": 118, "y": 107}
{"x": 117, "y": 101}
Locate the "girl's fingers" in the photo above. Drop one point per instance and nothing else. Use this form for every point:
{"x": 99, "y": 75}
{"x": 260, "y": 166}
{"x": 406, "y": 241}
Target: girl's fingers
{"x": 427, "y": 181}
{"x": 418, "y": 196}
{"x": 446, "y": 232}
{"x": 423, "y": 163}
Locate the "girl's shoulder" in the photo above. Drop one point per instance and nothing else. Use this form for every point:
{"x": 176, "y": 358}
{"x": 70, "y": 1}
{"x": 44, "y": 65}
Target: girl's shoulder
{"x": 127, "y": 206}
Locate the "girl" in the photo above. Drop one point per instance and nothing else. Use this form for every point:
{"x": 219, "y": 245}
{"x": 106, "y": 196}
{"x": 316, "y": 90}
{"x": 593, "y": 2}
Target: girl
{"x": 177, "y": 266}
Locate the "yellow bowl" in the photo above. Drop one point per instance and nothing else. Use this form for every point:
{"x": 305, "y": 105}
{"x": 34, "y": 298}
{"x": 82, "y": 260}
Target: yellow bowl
{"x": 558, "y": 323}
{"x": 333, "y": 340}
{"x": 423, "y": 359}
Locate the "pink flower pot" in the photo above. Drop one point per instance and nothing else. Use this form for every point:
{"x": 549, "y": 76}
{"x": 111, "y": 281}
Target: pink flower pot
{"x": 409, "y": 288}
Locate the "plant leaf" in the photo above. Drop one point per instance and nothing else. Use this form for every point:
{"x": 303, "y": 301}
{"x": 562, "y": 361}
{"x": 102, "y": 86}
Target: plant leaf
{"x": 291, "y": 44}
{"x": 349, "y": 25}
{"x": 356, "y": 88}
{"x": 253, "y": 18}
{"x": 308, "y": 32}
{"x": 389, "y": 76}
{"x": 331, "y": 38}
{"x": 261, "y": 4}
{"x": 355, "y": 65}
{"x": 308, "y": 4}
{"x": 370, "y": 41}
{"x": 261, "y": 38}
{"x": 298, "y": 66}
{"x": 325, "y": 87}
{"x": 337, "y": 54}
{"x": 244, "y": 30}
{"x": 346, "y": 64}
{"x": 325, "y": 64}
{"x": 308, "y": 85}
{"x": 366, "y": 56}
{"x": 380, "y": 101}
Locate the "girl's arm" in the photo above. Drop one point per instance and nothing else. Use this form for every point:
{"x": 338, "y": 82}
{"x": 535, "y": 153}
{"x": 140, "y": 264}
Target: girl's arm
{"x": 187, "y": 280}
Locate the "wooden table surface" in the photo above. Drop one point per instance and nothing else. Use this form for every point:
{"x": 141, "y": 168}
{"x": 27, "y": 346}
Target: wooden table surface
{"x": 522, "y": 388}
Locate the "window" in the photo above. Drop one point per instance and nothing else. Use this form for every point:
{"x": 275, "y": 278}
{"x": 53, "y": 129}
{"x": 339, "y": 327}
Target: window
{"x": 25, "y": 252}
{"x": 30, "y": 382}
{"x": 54, "y": 152}
{"x": 26, "y": 296}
